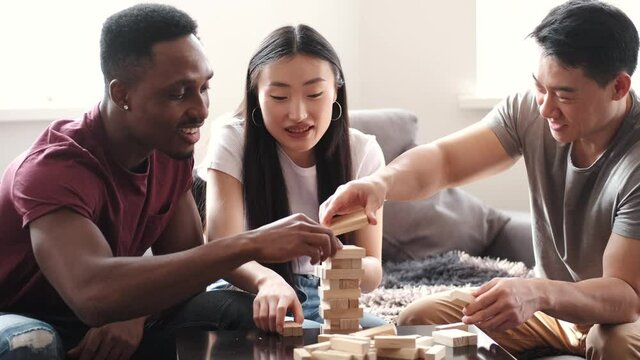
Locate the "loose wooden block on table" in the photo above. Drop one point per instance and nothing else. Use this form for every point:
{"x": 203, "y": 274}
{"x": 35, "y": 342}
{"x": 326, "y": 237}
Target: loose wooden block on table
{"x": 406, "y": 353}
{"x": 301, "y": 354}
{"x": 458, "y": 325}
{"x": 291, "y": 328}
{"x": 346, "y": 223}
{"x": 350, "y": 345}
{"x": 454, "y": 337}
{"x": 395, "y": 342}
{"x": 331, "y": 355}
{"x": 387, "y": 329}
{"x": 435, "y": 352}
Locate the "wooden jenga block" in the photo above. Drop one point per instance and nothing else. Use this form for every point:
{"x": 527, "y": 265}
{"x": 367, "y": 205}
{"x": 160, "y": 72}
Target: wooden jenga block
{"x": 435, "y": 352}
{"x": 324, "y": 337}
{"x": 301, "y": 354}
{"x": 336, "y": 303}
{"x": 337, "y": 284}
{"x": 395, "y": 342}
{"x": 372, "y": 355}
{"x": 354, "y": 303}
{"x": 325, "y": 329}
{"x": 424, "y": 341}
{"x": 458, "y": 325}
{"x": 454, "y": 337}
{"x": 350, "y": 252}
{"x": 352, "y": 346}
{"x": 405, "y": 353}
{"x": 349, "y": 323}
{"x": 331, "y": 355}
{"x": 329, "y": 313}
{"x": 460, "y": 297}
{"x": 347, "y": 223}
{"x": 340, "y": 264}
{"x": 387, "y": 329}
{"x": 325, "y": 345}
{"x": 339, "y": 294}
{"x": 292, "y": 328}
{"x": 356, "y": 263}
{"x": 329, "y": 274}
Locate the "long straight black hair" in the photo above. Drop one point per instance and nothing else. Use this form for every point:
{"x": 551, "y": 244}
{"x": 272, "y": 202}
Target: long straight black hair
{"x": 265, "y": 191}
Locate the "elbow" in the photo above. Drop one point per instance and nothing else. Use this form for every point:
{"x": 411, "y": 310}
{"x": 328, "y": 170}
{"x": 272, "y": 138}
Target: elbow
{"x": 93, "y": 308}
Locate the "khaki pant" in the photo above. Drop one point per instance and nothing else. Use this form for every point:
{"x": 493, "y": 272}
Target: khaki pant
{"x": 541, "y": 331}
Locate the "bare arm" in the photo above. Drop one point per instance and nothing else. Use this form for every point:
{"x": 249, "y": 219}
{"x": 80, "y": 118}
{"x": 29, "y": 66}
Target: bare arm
{"x": 468, "y": 154}
{"x": 75, "y": 257}
{"x": 225, "y": 216}
{"x": 370, "y": 238}
{"x": 611, "y": 299}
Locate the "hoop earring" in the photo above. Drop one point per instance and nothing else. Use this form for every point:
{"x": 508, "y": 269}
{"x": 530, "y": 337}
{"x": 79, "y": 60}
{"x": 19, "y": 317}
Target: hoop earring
{"x": 339, "y": 108}
{"x": 253, "y": 118}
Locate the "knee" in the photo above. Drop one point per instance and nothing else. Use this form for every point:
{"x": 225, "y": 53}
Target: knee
{"x": 22, "y": 337}
{"x": 612, "y": 342}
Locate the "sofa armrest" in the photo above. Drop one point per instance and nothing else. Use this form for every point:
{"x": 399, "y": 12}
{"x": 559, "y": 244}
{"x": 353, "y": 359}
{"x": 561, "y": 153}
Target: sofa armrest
{"x": 514, "y": 241}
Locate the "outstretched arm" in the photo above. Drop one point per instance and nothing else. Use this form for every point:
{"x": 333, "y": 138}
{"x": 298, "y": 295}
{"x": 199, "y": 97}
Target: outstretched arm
{"x": 100, "y": 288}
{"x": 468, "y": 154}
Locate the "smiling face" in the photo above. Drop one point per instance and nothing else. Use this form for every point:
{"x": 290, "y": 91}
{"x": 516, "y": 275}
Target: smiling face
{"x": 574, "y": 105}
{"x": 170, "y": 102}
{"x": 296, "y": 96}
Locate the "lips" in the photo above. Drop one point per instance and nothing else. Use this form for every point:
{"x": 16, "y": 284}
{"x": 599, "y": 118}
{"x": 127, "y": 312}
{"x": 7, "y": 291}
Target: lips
{"x": 190, "y": 134}
{"x": 298, "y": 129}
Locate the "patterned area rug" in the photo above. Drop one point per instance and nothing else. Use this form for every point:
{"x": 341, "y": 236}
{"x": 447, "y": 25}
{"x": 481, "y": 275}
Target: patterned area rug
{"x": 406, "y": 281}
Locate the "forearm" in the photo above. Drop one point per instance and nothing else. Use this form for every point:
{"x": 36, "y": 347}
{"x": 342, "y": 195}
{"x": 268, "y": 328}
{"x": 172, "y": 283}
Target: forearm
{"x": 250, "y": 276}
{"x": 372, "y": 274}
{"x": 593, "y": 301}
{"x": 119, "y": 288}
{"x": 414, "y": 174}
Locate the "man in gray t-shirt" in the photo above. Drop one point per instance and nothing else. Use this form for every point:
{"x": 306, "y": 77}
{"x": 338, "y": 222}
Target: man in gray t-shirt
{"x": 579, "y": 135}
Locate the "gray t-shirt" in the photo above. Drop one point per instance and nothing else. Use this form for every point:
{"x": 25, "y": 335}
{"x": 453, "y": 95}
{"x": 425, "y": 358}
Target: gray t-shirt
{"x": 574, "y": 210}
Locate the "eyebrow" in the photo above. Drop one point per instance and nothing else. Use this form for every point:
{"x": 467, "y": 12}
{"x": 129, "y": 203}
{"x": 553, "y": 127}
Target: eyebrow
{"x": 187, "y": 82}
{"x": 306, "y": 83}
{"x": 557, "y": 88}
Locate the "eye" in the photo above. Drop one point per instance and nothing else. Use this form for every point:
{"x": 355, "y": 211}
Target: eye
{"x": 316, "y": 95}
{"x": 205, "y": 88}
{"x": 177, "y": 96}
{"x": 278, "y": 98}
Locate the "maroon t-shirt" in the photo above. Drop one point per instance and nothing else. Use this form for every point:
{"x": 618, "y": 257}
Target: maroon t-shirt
{"x": 69, "y": 166}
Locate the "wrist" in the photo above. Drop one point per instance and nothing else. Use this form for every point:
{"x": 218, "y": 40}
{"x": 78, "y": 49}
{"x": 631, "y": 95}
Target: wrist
{"x": 543, "y": 288}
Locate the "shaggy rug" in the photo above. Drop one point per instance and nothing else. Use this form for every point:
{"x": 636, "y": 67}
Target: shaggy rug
{"x": 405, "y": 281}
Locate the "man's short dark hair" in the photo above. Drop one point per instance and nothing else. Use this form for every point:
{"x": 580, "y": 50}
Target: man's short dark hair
{"x": 592, "y": 35}
{"x": 128, "y": 36}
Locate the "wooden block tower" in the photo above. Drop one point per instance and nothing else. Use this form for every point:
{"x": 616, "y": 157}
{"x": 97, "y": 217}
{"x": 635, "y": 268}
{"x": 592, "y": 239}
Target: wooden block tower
{"x": 340, "y": 291}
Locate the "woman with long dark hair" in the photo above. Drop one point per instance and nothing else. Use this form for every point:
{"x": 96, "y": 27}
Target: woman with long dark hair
{"x": 287, "y": 150}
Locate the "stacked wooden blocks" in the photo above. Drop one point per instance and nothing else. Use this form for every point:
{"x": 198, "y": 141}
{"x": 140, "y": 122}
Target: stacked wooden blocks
{"x": 340, "y": 290}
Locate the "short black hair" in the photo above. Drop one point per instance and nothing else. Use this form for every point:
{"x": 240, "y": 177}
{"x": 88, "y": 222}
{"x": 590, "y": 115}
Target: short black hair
{"x": 592, "y": 35}
{"x": 128, "y": 36}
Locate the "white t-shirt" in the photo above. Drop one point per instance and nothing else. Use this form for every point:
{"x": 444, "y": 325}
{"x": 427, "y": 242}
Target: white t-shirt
{"x": 225, "y": 153}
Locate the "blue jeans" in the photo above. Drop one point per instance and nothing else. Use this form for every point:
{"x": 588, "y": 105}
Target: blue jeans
{"x": 307, "y": 289}
{"x": 26, "y": 338}
{"x": 207, "y": 311}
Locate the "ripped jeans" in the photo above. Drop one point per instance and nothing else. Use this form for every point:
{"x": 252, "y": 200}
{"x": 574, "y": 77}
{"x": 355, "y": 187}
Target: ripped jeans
{"x": 24, "y": 337}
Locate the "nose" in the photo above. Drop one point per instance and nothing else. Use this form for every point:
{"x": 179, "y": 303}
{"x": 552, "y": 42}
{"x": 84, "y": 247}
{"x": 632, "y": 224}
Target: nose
{"x": 200, "y": 107}
{"x": 547, "y": 106}
{"x": 297, "y": 109}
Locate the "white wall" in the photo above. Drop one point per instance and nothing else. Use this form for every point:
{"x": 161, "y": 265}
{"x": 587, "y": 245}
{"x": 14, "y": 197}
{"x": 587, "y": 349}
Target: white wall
{"x": 415, "y": 54}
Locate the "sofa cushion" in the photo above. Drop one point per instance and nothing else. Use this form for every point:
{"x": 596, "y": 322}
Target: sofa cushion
{"x": 395, "y": 129}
